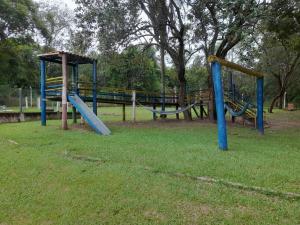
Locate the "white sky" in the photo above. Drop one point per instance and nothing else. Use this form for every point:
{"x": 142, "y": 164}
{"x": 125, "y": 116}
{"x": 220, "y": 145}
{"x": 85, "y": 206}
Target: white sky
{"x": 70, "y": 3}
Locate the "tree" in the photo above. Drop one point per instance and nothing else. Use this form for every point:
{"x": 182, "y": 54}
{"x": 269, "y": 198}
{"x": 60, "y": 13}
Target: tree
{"x": 221, "y": 25}
{"x": 58, "y": 23}
{"x": 284, "y": 21}
{"x": 131, "y": 69}
{"x": 281, "y": 62}
{"x": 19, "y": 18}
{"x": 164, "y": 23}
{"x": 282, "y": 45}
{"x": 18, "y": 66}
{"x": 18, "y": 22}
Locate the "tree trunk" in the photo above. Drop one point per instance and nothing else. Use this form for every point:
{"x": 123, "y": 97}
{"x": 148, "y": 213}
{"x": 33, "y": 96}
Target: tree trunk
{"x": 211, "y": 104}
{"x": 279, "y": 96}
{"x": 281, "y": 102}
{"x": 182, "y": 91}
{"x": 182, "y": 99}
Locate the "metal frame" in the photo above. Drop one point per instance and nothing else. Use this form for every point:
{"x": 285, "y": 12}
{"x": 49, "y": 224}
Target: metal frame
{"x": 219, "y": 96}
{"x": 65, "y": 59}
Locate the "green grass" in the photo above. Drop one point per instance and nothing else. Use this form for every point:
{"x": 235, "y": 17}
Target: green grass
{"x": 41, "y": 182}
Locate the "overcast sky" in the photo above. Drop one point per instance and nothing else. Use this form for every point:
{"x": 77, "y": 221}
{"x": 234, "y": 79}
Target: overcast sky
{"x": 70, "y": 3}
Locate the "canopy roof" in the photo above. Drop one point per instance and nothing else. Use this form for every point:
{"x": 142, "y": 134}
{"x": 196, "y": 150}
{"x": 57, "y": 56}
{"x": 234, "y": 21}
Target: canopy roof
{"x": 72, "y": 59}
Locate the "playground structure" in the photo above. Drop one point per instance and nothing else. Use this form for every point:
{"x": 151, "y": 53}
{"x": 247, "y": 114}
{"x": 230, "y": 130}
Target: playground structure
{"x": 232, "y": 105}
{"x": 77, "y": 93}
{"x": 58, "y": 86}
{"x": 61, "y": 88}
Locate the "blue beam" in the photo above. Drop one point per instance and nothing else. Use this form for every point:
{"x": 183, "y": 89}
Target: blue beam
{"x": 43, "y": 92}
{"x": 219, "y": 99}
{"x": 95, "y": 87}
{"x": 260, "y": 104}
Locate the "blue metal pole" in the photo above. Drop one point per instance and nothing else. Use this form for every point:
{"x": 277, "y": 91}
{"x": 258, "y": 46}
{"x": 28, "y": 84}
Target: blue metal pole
{"x": 260, "y": 104}
{"x": 95, "y": 87}
{"x": 74, "y": 90}
{"x": 219, "y": 99}
{"x": 77, "y": 78}
{"x": 43, "y": 92}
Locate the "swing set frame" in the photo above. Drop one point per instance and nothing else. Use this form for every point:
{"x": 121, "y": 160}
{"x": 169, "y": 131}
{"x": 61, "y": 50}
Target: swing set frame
{"x": 216, "y": 65}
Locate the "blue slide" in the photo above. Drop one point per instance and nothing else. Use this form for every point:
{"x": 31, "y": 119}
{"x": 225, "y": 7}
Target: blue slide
{"x": 88, "y": 115}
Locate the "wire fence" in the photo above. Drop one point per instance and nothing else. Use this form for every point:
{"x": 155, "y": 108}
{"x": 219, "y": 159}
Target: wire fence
{"x": 19, "y": 99}
{"x": 25, "y": 100}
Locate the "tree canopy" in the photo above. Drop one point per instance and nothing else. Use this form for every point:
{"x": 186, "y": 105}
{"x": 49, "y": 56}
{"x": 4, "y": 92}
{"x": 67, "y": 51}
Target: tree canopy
{"x": 135, "y": 39}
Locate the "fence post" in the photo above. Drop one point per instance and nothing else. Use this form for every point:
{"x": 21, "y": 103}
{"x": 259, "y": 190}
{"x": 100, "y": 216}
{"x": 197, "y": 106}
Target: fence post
{"x": 20, "y": 100}
{"x": 21, "y": 116}
{"x": 26, "y": 102}
{"x": 30, "y": 89}
{"x": 133, "y": 106}
{"x": 38, "y": 102}
{"x": 57, "y": 106}
{"x": 284, "y": 100}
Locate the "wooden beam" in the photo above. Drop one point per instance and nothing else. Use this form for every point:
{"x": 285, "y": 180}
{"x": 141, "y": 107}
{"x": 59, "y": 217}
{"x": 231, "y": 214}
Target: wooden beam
{"x": 235, "y": 66}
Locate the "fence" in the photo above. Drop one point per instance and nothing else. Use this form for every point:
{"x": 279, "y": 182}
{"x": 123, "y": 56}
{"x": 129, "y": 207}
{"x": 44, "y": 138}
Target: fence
{"x": 19, "y": 99}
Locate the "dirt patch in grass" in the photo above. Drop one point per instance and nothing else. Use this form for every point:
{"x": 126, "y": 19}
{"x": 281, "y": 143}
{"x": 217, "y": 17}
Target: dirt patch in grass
{"x": 193, "y": 212}
{"x": 283, "y": 124}
{"x": 274, "y": 122}
{"x": 154, "y": 215}
{"x": 165, "y": 123}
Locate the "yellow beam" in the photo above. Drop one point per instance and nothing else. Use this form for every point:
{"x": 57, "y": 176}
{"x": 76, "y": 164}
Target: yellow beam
{"x": 235, "y": 66}
{"x": 54, "y": 78}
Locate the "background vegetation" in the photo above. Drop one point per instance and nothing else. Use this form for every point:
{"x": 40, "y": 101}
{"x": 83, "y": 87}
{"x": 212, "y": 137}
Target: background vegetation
{"x": 259, "y": 35}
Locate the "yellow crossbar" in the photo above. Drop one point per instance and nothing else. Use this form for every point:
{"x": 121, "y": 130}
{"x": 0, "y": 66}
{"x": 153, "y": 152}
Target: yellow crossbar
{"x": 54, "y": 78}
{"x": 235, "y": 66}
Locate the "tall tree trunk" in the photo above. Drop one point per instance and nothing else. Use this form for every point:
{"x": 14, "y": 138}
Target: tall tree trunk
{"x": 275, "y": 99}
{"x": 162, "y": 73}
{"x": 211, "y": 103}
{"x": 182, "y": 91}
{"x": 281, "y": 102}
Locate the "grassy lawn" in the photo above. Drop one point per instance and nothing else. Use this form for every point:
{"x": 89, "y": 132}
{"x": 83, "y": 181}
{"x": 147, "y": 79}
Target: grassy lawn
{"x": 48, "y": 176}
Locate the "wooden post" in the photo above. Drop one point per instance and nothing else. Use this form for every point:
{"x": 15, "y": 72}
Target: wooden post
{"x": 124, "y": 112}
{"x": 177, "y": 114}
{"x": 201, "y": 109}
{"x": 64, "y": 117}
{"x": 133, "y": 106}
{"x": 154, "y": 114}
